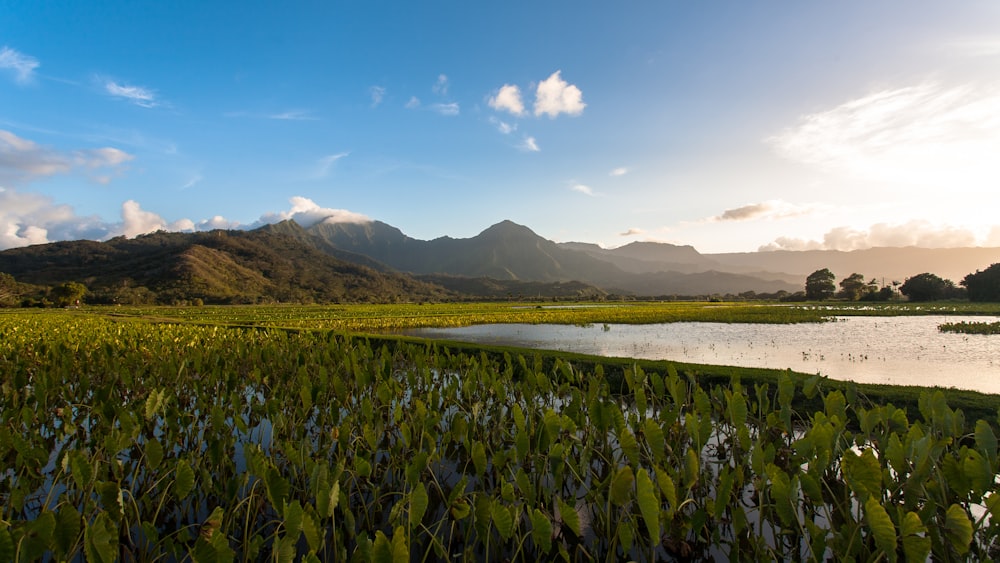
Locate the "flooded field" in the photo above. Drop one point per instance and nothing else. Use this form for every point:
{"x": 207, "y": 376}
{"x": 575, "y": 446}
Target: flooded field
{"x": 890, "y": 350}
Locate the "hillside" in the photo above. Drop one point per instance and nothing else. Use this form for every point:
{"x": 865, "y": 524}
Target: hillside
{"x": 216, "y": 267}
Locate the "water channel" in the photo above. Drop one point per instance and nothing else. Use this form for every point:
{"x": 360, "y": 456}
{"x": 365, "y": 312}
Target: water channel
{"x": 888, "y": 350}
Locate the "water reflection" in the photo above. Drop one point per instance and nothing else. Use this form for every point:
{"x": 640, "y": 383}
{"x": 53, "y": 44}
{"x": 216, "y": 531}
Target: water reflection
{"x": 889, "y": 350}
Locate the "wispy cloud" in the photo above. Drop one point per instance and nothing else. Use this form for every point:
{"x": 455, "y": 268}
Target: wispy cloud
{"x": 924, "y": 135}
{"x": 449, "y": 109}
{"x": 441, "y": 86}
{"x": 912, "y": 233}
{"x": 554, "y": 96}
{"x": 22, "y": 65}
{"x": 327, "y": 162}
{"x": 975, "y": 47}
{"x": 138, "y": 95}
{"x": 413, "y": 103}
{"x": 529, "y": 145}
{"x": 22, "y": 160}
{"x": 770, "y": 210}
{"x": 583, "y": 189}
{"x": 293, "y": 115}
{"x": 377, "y": 94}
{"x": 619, "y": 171}
{"x": 192, "y": 182}
{"x": 503, "y": 126}
{"x": 634, "y": 231}
{"x": 508, "y": 98}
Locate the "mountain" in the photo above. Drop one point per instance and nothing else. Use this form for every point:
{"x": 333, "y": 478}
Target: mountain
{"x": 508, "y": 251}
{"x": 220, "y": 266}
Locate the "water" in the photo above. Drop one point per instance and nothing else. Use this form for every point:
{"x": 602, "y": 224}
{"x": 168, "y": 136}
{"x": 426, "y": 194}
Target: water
{"x": 888, "y": 350}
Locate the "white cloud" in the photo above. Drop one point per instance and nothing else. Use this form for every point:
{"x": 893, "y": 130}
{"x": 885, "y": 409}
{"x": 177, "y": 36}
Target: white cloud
{"x": 306, "y": 212}
{"x": 28, "y": 218}
{"x": 441, "y": 86}
{"x": 769, "y": 210}
{"x": 619, "y": 171}
{"x": 22, "y": 65}
{"x": 197, "y": 178}
{"x": 327, "y": 162}
{"x": 449, "y": 109}
{"x": 138, "y": 95}
{"x": 22, "y": 160}
{"x": 503, "y": 126}
{"x": 508, "y": 99}
{"x": 292, "y": 115}
{"x": 413, "y": 103}
{"x": 585, "y": 190}
{"x": 554, "y": 96}
{"x": 377, "y": 93}
{"x": 912, "y": 233}
{"x": 926, "y": 135}
{"x": 529, "y": 145}
{"x": 634, "y": 231}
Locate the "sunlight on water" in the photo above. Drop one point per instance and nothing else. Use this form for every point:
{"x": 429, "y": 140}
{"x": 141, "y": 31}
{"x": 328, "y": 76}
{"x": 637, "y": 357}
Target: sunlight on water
{"x": 889, "y": 350}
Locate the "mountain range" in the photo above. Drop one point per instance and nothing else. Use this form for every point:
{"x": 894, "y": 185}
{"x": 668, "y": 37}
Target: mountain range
{"x": 374, "y": 261}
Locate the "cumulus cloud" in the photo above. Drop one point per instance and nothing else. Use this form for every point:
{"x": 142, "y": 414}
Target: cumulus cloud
{"x": 22, "y": 65}
{"x": 583, "y": 189}
{"x": 529, "y": 145}
{"x": 774, "y": 209}
{"x": 377, "y": 94}
{"x": 508, "y": 98}
{"x": 306, "y": 212}
{"x": 634, "y": 231}
{"x": 22, "y": 160}
{"x": 921, "y": 135}
{"x": 621, "y": 171}
{"x": 912, "y": 233}
{"x": 449, "y": 109}
{"x": 554, "y": 96}
{"x": 138, "y": 95}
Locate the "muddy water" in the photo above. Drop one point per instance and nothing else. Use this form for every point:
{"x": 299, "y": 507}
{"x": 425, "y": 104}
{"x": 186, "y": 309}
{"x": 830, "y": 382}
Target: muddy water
{"x": 891, "y": 350}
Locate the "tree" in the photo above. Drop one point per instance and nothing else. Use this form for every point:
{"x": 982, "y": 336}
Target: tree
{"x": 853, "y": 287}
{"x": 985, "y": 285}
{"x": 820, "y": 285}
{"x": 69, "y": 293}
{"x": 927, "y": 287}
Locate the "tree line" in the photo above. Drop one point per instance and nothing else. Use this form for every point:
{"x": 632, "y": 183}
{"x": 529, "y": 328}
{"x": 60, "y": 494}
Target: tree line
{"x": 978, "y": 286}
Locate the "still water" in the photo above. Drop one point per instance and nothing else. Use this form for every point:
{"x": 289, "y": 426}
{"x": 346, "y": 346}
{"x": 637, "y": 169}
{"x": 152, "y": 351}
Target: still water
{"x": 892, "y": 350}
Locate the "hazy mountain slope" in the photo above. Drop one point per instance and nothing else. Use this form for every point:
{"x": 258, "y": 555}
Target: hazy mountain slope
{"x": 647, "y": 257}
{"x": 892, "y": 264}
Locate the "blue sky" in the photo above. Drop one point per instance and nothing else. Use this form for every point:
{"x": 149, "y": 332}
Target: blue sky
{"x": 730, "y": 125}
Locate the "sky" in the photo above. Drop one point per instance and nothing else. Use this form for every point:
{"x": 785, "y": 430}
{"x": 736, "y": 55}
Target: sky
{"x": 731, "y": 126}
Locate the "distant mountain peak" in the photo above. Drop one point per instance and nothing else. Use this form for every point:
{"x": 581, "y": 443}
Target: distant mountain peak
{"x": 507, "y": 228}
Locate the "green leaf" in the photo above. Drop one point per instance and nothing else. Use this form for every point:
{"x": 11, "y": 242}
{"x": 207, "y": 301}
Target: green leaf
{"x": 781, "y": 493}
{"x": 502, "y": 519}
{"x": 479, "y": 457}
{"x": 569, "y": 517}
{"x": 418, "y": 504}
{"x": 400, "y": 549}
{"x": 986, "y": 440}
{"x": 312, "y": 532}
{"x": 38, "y": 536}
{"x": 154, "y": 453}
{"x": 293, "y": 518}
{"x": 183, "y": 480}
{"x": 82, "y": 470}
{"x": 68, "y": 528}
{"x": 111, "y": 498}
{"x": 100, "y": 539}
{"x": 277, "y": 488}
{"x": 541, "y": 530}
{"x": 958, "y": 529}
{"x": 668, "y": 489}
{"x": 916, "y": 544}
{"x": 654, "y": 437}
{"x": 881, "y": 526}
{"x": 630, "y": 447}
{"x": 649, "y": 504}
{"x": 862, "y": 473}
{"x": 6, "y": 545}
{"x": 621, "y": 485}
